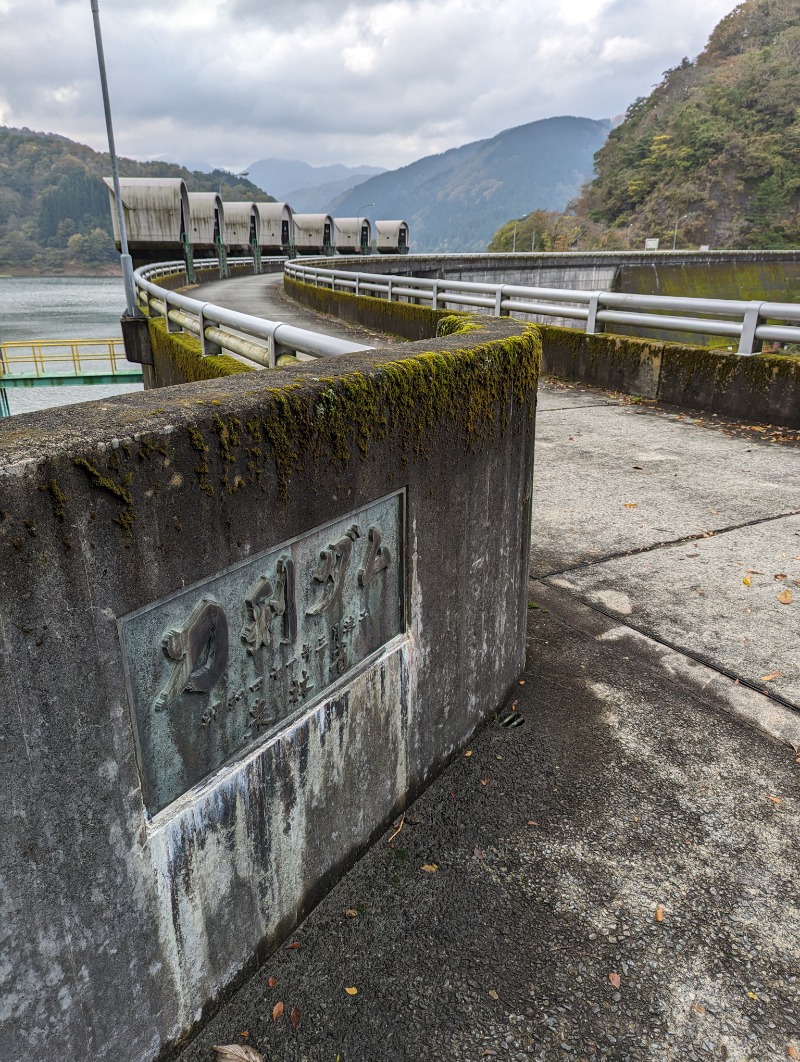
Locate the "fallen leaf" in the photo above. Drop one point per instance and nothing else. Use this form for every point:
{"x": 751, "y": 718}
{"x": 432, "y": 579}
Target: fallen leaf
{"x": 631, "y": 505}
{"x": 237, "y": 1053}
{"x": 792, "y": 1052}
{"x": 786, "y": 597}
{"x": 272, "y": 981}
{"x": 747, "y": 580}
{"x": 430, "y": 868}
{"x": 780, "y": 576}
{"x": 468, "y": 753}
{"x": 484, "y": 781}
{"x": 753, "y": 571}
{"x": 477, "y": 852}
{"x": 493, "y": 994}
{"x": 698, "y": 1008}
{"x": 293, "y": 946}
{"x": 752, "y": 995}
{"x": 533, "y": 822}
{"x": 294, "y": 1017}
{"x": 351, "y": 991}
{"x": 277, "y": 1011}
{"x": 488, "y": 1053}
{"x": 775, "y": 800}
{"x": 774, "y": 675}
{"x": 615, "y": 979}
{"x": 659, "y": 913}
{"x": 351, "y": 912}
{"x": 522, "y": 682}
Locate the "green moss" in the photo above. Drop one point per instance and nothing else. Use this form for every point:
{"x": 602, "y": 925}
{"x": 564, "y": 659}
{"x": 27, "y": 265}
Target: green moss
{"x": 457, "y": 324}
{"x": 184, "y": 355}
{"x": 59, "y": 498}
{"x": 402, "y": 319}
{"x": 467, "y": 393}
{"x": 119, "y": 491}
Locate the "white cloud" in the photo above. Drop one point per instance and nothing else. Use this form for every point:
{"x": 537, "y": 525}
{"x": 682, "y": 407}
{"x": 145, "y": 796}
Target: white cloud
{"x": 381, "y": 81}
{"x": 626, "y": 50}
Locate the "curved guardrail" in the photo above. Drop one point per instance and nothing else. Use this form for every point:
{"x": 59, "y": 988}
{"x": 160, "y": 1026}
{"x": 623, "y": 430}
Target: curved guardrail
{"x": 252, "y": 338}
{"x": 751, "y": 323}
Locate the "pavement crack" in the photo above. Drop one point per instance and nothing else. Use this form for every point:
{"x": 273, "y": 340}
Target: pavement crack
{"x": 665, "y": 544}
{"x": 689, "y": 654}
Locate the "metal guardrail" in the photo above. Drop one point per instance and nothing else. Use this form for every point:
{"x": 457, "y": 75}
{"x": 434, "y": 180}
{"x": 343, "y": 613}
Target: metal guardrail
{"x": 252, "y": 338}
{"x": 59, "y": 362}
{"x": 34, "y": 362}
{"x": 751, "y": 323}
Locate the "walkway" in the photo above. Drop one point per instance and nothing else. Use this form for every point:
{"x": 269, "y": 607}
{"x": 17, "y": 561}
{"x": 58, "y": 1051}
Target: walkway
{"x": 263, "y": 296}
{"x": 617, "y": 878}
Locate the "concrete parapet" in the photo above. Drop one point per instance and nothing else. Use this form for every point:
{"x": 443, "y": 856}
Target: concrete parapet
{"x": 764, "y": 387}
{"x": 242, "y": 622}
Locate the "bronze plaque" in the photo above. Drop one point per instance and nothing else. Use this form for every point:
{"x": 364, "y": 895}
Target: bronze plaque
{"x": 215, "y": 669}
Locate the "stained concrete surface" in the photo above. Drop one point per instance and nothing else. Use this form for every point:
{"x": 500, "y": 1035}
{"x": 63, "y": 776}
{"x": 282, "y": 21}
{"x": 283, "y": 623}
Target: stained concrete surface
{"x": 640, "y": 823}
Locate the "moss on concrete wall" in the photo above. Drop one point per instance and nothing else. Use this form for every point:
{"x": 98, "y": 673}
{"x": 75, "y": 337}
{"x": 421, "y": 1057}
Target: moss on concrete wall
{"x": 178, "y": 358}
{"x": 394, "y": 318}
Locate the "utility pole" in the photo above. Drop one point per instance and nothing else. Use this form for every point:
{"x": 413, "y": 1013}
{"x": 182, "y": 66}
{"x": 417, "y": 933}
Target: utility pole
{"x": 125, "y": 258}
{"x": 514, "y": 249}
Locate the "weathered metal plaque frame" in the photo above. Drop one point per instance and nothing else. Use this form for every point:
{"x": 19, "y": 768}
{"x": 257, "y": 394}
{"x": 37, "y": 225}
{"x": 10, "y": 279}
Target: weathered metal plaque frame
{"x": 215, "y": 669}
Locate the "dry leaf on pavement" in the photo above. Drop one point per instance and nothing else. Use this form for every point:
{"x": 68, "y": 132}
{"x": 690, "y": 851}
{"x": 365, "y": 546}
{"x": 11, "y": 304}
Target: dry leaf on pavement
{"x": 615, "y": 979}
{"x": 792, "y": 1052}
{"x": 631, "y": 505}
{"x": 468, "y": 753}
{"x": 493, "y": 994}
{"x": 786, "y": 597}
{"x": 272, "y": 981}
{"x": 747, "y": 580}
{"x": 294, "y": 1017}
{"x": 659, "y": 913}
{"x": 430, "y": 868}
{"x": 772, "y": 676}
{"x": 775, "y": 800}
{"x": 351, "y": 912}
{"x": 351, "y": 991}
{"x": 277, "y": 1011}
{"x": 237, "y": 1053}
{"x": 293, "y": 945}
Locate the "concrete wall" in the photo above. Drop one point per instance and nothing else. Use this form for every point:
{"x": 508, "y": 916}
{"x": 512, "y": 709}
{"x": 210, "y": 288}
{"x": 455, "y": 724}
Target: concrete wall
{"x": 773, "y": 275}
{"x": 764, "y": 388}
{"x": 119, "y": 520}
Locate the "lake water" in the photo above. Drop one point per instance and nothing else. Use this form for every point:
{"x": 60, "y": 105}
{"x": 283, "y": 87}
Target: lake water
{"x": 60, "y": 308}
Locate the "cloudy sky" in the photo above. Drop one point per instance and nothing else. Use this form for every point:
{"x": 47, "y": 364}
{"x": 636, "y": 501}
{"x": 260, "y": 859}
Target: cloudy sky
{"x": 355, "y": 81}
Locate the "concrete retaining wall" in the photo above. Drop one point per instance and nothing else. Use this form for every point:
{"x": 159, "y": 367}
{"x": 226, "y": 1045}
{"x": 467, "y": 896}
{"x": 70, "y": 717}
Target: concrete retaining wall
{"x": 242, "y": 622}
{"x": 764, "y": 388}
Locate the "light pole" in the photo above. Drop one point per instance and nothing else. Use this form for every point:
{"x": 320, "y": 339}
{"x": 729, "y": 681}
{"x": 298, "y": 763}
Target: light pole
{"x": 125, "y": 258}
{"x": 364, "y": 206}
{"x": 230, "y": 176}
{"x": 514, "y": 246}
{"x": 675, "y": 234}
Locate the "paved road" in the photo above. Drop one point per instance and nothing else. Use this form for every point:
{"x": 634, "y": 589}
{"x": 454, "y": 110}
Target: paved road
{"x": 617, "y": 878}
{"x": 263, "y": 296}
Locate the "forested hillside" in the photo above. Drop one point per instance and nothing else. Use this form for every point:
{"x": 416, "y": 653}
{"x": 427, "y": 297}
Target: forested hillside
{"x": 54, "y": 207}
{"x": 456, "y": 200}
{"x": 714, "y": 149}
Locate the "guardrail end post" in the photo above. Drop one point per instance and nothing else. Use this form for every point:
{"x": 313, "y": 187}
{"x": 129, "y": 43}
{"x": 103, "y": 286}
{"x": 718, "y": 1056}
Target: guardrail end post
{"x": 591, "y": 321}
{"x": 748, "y": 341}
{"x": 136, "y": 337}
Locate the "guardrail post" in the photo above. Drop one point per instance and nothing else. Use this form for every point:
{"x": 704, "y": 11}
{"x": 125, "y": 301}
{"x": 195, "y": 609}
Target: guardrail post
{"x": 206, "y": 346}
{"x": 435, "y": 295}
{"x": 171, "y": 325}
{"x": 271, "y": 350}
{"x": 591, "y": 320}
{"x": 748, "y": 342}
{"x": 389, "y": 290}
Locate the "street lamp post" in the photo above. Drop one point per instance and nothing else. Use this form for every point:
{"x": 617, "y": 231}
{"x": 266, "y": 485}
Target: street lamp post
{"x": 364, "y": 206}
{"x": 675, "y": 234}
{"x": 125, "y": 258}
{"x": 230, "y": 176}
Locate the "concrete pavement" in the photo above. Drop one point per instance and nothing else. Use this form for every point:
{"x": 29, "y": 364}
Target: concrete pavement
{"x": 617, "y": 877}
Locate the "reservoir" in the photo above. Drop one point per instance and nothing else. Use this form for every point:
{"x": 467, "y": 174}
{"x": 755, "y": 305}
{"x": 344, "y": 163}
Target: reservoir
{"x": 60, "y": 308}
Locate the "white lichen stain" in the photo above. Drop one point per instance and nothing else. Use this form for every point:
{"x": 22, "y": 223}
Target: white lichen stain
{"x": 237, "y": 860}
